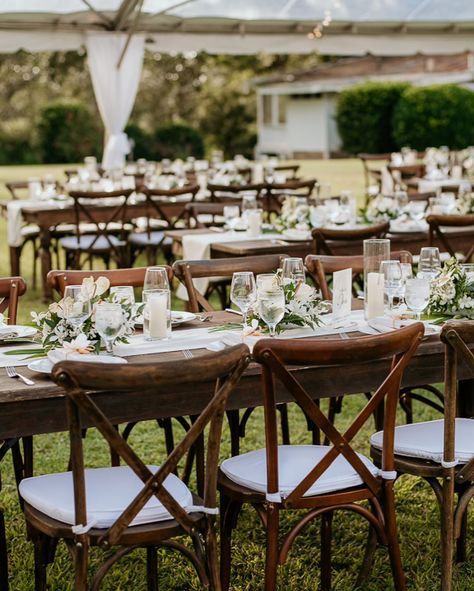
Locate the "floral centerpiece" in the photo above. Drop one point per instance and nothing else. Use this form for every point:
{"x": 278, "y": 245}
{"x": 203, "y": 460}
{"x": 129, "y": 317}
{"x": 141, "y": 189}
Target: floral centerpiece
{"x": 294, "y": 215}
{"x": 465, "y": 203}
{"x": 56, "y": 332}
{"x": 381, "y": 209}
{"x": 452, "y": 292}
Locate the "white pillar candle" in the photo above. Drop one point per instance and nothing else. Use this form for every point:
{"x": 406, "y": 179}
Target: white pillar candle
{"x": 374, "y": 303}
{"x": 158, "y": 315}
{"x": 258, "y": 173}
{"x": 254, "y": 220}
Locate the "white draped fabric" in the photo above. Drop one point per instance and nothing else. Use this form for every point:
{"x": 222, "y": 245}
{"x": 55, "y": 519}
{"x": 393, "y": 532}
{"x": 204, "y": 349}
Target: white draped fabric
{"x": 115, "y": 88}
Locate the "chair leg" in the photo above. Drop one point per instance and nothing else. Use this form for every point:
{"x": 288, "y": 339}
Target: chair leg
{"x": 3, "y": 555}
{"x": 271, "y": 555}
{"x": 151, "y": 569}
{"x": 368, "y": 560}
{"x": 326, "y": 539}
{"x": 229, "y": 511}
{"x": 447, "y": 531}
{"x": 212, "y": 558}
{"x": 41, "y": 561}
{"x": 392, "y": 538}
{"x": 81, "y": 559}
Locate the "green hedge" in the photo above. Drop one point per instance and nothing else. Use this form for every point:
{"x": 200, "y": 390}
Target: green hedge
{"x": 17, "y": 143}
{"x": 435, "y": 116}
{"x": 143, "y": 141}
{"x": 67, "y": 132}
{"x": 177, "y": 141}
{"x": 364, "y": 116}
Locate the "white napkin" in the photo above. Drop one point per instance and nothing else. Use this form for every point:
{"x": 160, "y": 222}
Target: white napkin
{"x": 197, "y": 338}
{"x": 57, "y": 355}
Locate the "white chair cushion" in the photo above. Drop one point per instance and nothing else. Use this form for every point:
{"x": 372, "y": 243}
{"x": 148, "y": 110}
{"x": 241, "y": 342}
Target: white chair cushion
{"x": 108, "y": 492}
{"x": 426, "y": 440}
{"x": 294, "y": 463}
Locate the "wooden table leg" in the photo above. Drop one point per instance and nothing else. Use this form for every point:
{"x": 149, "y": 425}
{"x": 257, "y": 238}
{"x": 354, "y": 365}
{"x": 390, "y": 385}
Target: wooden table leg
{"x": 45, "y": 245}
{"x": 15, "y": 252}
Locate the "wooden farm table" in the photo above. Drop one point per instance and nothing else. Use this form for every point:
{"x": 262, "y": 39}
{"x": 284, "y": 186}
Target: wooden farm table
{"x": 461, "y": 239}
{"x": 41, "y": 409}
{"x": 46, "y": 219}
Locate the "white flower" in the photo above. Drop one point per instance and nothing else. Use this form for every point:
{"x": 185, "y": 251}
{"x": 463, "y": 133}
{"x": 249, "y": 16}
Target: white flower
{"x": 466, "y": 302}
{"x": 56, "y": 308}
{"x": 304, "y": 293}
{"x": 36, "y": 317}
{"x": 80, "y": 344}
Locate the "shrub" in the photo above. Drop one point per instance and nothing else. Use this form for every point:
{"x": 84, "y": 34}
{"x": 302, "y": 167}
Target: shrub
{"x": 177, "y": 141}
{"x": 17, "y": 143}
{"x": 435, "y": 116}
{"x": 67, "y": 132}
{"x": 142, "y": 147}
{"x": 364, "y": 116}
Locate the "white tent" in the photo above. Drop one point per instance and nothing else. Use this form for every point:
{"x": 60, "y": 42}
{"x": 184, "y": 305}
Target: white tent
{"x": 116, "y": 32}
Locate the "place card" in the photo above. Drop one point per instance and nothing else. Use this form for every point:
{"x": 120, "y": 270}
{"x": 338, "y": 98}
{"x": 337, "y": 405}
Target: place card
{"x": 341, "y": 293}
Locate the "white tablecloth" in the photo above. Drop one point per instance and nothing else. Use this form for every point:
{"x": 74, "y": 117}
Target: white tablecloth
{"x": 15, "y": 217}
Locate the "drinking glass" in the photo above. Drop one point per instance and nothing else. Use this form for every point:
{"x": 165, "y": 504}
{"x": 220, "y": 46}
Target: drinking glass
{"x": 249, "y": 202}
{"x": 429, "y": 265}
{"x": 393, "y": 284}
{"x": 231, "y": 215}
{"x": 76, "y": 308}
{"x": 416, "y": 210}
{"x": 123, "y": 294}
{"x": 293, "y": 269}
{"x": 108, "y": 322}
{"x": 407, "y": 273}
{"x": 417, "y": 294}
{"x": 401, "y": 199}
{"x": 243, "y": 292}
{"x": 267, "y": 282}
{"x": 271, "y": 307}
{"x": 468, "y": 268}
{"x": 376, "y": 250}
{"x": 156, "y": 278}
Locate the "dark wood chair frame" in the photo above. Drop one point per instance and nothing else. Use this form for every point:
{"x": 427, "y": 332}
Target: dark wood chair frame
{"x": 277, "y": 192}
{"x": 448, "y": 479}
{"x": 102, "y": 227}
{"x": 323, "y": 237}
{"x": 437, "y": 222}
{"x": 275, "y": 357}
{"x": 79, "y": 380}
{"x": 196, "y": 209}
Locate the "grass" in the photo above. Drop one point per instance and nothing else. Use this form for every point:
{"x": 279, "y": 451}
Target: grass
{"x": 418, "y": 516}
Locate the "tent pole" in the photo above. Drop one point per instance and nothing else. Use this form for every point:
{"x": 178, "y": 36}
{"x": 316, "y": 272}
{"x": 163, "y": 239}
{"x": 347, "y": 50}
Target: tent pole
{"x": 130, "y": 33}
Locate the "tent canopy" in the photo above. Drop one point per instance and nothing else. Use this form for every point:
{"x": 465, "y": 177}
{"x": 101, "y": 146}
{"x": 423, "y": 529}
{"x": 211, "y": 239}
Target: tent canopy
{"x": 347, "y": 27}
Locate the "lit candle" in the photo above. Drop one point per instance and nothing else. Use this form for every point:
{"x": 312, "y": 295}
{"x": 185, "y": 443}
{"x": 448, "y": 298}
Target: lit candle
{"x": 254, "y": 221}
{"x": 258, "y": 173}
{"x": 374, "y": 304}
{"x": 158, "y": 315}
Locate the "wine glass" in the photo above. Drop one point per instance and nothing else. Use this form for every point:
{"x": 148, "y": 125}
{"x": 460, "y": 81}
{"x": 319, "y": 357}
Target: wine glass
{"x": 271, "y": 307}
{"x": 293, "y": 269}
{"x": 123, "y": 294}
{"x": 108, "y": 322}
{"x": 76, "y": 307}
{"x": 267, "y": 282}
{"x": 393, "y": 285}
{"x": 417, "y": 294}
{"x": 407, "y": 273}
{"x": 156, "y": 278}
{"x": 243, "y": 292}
{"x": 249, "y": 203}
{"x": 231, "y": 215}
{"x": 401, "y": 199}
{"x": 429, "y": 264}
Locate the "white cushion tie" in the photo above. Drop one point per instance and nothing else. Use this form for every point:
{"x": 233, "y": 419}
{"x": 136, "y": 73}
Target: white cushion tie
{"x": 388, "y": 474}
{"x": 80, "y": 529}
{"x": 273, "y": 497}
{"x": 451, "y": 464}
{"x": 202, "y": 509}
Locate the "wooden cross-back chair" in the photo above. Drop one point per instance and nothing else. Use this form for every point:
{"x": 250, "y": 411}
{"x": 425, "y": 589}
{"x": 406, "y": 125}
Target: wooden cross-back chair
{"x": 203, "y": 215}
{"x": 277, "y": 192}
{"x": 129, "y": 488}
{"x": 11, "y": 289}
{"x": 276, "y": 478}
{"x": 231, "y": 193}
{"x": 159, "y": 217}
{"x": 105, "y": 215}
{"x": 438, "y": 223}
{"x": 326, "y": 239}
{"x": 442, "y": 451}
{"x": 372, "y": 174}
{"x": 190, "y": 271}
{"x": 290, "y": 168}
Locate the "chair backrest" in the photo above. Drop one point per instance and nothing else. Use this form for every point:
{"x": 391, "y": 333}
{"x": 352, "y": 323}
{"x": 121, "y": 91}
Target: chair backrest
{"x": 325, "y": 237}
{"x": 158, "y": 199}
{"x": 438, "y": 222}
{"x": 408, "y": 171}
{"x": 291, "y": 168}
{"x": 196, "y": 210}
{"x": 321, "y": 266}
{"x": 219, "y": 372}
{"x": 222, "y": 193}
{"x": 277, "y": 192}
{"x": 366, "y": 159}
{"x": 101, "y": 209}
{"x": 458, "y": 337}
{"x": 57, "y": 280}
{"x": 11, "y": 288}
{"x": 188, "y": 271}
{"x": 276, "y": 355}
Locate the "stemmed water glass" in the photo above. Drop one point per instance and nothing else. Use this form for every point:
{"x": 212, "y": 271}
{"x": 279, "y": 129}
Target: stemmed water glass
{"x": 108, "y": 322}
{"x": 271, "y": 307}
{"x": 393, "y": 280}
{"x": 429, "y": 264}
{"x": 123, "y": 293}
{"x": 231, "y": 215}
{"x": 417, "y": 294}
{"x": 293, "y": 269}
{"x": 156, "y": 278}
{"x": 76, "y": 308}
{"x": 243, "y": 292}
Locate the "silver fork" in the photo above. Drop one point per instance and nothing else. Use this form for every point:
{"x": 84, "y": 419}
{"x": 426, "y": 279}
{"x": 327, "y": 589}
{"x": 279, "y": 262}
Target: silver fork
{"x": 187, "y": 354}
{"x": 12, "y": 373}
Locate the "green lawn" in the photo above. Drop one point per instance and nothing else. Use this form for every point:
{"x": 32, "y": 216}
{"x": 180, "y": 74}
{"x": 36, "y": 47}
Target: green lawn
{"x": 417, "y": 511}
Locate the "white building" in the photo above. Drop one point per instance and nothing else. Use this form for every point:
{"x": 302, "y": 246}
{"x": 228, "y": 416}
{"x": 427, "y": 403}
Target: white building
{"x": 296, "y": 113}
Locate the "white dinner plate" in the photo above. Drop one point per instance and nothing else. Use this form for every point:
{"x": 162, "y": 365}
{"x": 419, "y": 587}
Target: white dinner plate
{"x": 177, "y": 317}
{"x": 385, "y": 324}
{"x": 296, "y": 235}
{"x": 19, "y": 330}
{"x": 42, "y": 365}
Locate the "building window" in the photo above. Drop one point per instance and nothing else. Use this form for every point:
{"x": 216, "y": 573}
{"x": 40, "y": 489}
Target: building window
{"x": 281, "y": 109}
{"x": 267, "y": 110}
